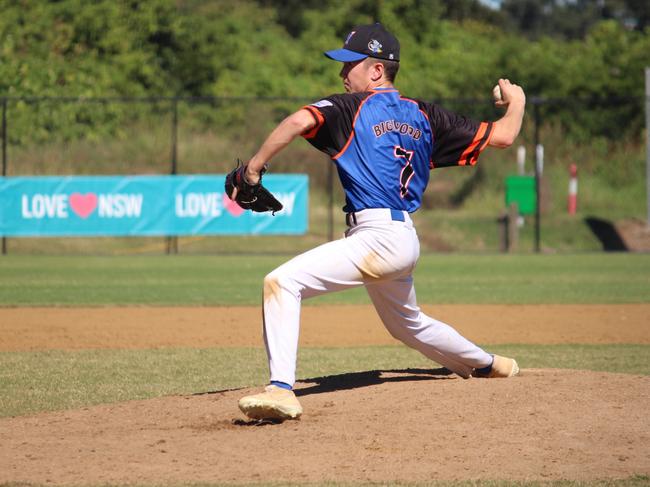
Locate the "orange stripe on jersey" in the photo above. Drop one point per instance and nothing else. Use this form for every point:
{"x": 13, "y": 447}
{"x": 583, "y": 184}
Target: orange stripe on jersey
{"x": 356, "y": 115}
{"x": 320, "y": 120}
{"x": 485, "y": 141}
{"x": 471, "y": 153}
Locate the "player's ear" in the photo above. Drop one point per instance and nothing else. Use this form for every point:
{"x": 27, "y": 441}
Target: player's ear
{"x": 376, "y": 71}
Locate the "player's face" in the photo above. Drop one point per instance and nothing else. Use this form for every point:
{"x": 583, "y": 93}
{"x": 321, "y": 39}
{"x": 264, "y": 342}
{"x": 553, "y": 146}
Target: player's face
{"x": 355, "y": 76}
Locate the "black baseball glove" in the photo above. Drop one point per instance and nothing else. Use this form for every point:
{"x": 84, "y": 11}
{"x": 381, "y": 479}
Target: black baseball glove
{"x": 254, "y": 197}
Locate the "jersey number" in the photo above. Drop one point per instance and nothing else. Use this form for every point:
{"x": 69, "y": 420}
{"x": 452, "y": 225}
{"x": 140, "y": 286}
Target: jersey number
{"x": 407, "y": 172}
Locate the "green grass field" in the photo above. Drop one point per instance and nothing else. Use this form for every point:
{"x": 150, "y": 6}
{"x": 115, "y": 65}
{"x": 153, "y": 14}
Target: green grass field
{"x": 237, "y": 279}
{"x": 54, "y": 380}
{"x": 39, "y": 381}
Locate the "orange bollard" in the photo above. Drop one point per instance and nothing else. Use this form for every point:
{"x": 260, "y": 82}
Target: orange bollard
{"x": 573, "y": 189}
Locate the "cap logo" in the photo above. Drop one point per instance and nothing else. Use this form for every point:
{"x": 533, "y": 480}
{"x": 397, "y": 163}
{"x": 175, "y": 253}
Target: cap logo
{"x": 350, "y": 37}
{"x": 375, "y": 46}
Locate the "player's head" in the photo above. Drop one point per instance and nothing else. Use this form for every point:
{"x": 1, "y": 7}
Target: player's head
{"x": 371, "y": 40}
{"x": 369, "y": 43}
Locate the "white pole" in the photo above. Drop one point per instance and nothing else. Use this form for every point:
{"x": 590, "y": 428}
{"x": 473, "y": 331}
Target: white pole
{"x": 521, "y": 159}
{"x": 647, "y": 133}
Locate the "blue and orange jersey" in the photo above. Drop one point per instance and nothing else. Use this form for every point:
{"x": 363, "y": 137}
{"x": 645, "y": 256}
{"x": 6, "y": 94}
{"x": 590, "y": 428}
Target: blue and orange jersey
{"x": 384, "y": 145}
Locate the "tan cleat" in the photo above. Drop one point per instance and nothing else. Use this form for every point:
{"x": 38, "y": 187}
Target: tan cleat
{"x": 274, "y": 403}
{"x": 502, "y": 367}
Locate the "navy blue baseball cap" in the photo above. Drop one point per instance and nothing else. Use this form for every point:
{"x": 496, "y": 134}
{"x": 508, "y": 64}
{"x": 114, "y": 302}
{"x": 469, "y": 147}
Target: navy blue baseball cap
{"x": 364, "y": 41}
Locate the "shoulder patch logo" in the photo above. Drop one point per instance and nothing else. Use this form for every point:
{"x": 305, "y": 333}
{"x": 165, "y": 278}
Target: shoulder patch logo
{"x": 322, "y": 103}
{"x": 375, "y": 46}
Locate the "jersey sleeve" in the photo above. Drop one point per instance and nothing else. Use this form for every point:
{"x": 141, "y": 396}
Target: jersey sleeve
{"x": 457, "y": 140}
{"x": 334, "y": 116}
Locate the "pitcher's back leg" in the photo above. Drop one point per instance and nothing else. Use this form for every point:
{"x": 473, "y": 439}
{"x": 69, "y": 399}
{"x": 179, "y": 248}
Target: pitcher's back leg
{"x": 396, "y": 304}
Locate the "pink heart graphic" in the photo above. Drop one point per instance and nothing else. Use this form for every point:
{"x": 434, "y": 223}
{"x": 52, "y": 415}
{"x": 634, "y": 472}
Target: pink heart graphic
{"x": 83, "y": 204}
{"x": 233, "y": 208}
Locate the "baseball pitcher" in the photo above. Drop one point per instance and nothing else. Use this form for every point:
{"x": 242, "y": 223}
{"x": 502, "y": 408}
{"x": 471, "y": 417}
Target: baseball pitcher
{"x": 384, "y": 145}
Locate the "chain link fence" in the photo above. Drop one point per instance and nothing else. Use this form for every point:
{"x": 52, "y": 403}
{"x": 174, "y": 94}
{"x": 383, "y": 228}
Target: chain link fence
{"x": 464, "y": 209}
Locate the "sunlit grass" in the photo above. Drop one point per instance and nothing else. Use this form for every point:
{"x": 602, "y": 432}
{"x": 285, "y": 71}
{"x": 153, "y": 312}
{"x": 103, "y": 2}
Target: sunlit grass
{"x": 237, "y": 279}
{"x": 56, "y": 380}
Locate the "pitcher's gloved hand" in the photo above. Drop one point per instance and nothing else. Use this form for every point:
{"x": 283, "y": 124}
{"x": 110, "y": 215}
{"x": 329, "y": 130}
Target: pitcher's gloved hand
{"x": 254, "y": 197}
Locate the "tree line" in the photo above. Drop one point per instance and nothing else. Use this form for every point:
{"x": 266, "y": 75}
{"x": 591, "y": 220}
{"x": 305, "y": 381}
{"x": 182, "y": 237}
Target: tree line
{"x": 591, "y": 52}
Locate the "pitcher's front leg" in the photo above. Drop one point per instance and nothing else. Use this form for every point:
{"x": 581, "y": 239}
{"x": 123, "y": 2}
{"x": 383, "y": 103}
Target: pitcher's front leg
{"x": 327, "y": 268}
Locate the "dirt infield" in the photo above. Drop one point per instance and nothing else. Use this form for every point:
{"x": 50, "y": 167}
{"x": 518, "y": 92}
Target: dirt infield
{"x": 382, "y": 426}
{"x": 144, "y": 327}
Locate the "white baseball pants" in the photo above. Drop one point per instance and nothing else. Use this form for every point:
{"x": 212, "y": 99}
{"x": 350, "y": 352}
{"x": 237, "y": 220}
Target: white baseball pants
{"x": 380, "y": 254}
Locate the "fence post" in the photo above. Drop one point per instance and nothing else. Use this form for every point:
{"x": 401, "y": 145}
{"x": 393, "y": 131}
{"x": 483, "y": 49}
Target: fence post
{"x": 503, "y": 223}
{"x": 537, "y": 117}
{"x": 513, "y": 227}
{"x": 172, "y": 241}
{"x": 647, "y": 130}
{"x": 4, "y": 158}
{"x": 330, "y": 189}
{"x": 174, "y": 155}
{"x": 4, "y": 136}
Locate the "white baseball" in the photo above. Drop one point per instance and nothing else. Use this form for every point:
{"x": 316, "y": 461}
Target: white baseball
{"x": 496, "y": 93}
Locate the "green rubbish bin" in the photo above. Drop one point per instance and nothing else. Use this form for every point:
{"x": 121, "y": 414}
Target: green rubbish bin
{"x": 521, "y": 190}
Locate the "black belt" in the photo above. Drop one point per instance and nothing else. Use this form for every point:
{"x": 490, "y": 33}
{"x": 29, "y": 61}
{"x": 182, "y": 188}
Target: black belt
{"x": 350, "y": 219}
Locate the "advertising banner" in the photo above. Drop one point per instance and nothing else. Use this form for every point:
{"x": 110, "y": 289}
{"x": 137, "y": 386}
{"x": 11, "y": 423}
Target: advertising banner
{"x": 144, "y": 206}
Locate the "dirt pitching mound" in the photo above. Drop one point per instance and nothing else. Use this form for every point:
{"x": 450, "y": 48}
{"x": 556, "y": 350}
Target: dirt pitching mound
{"x": 408, "y": 425}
